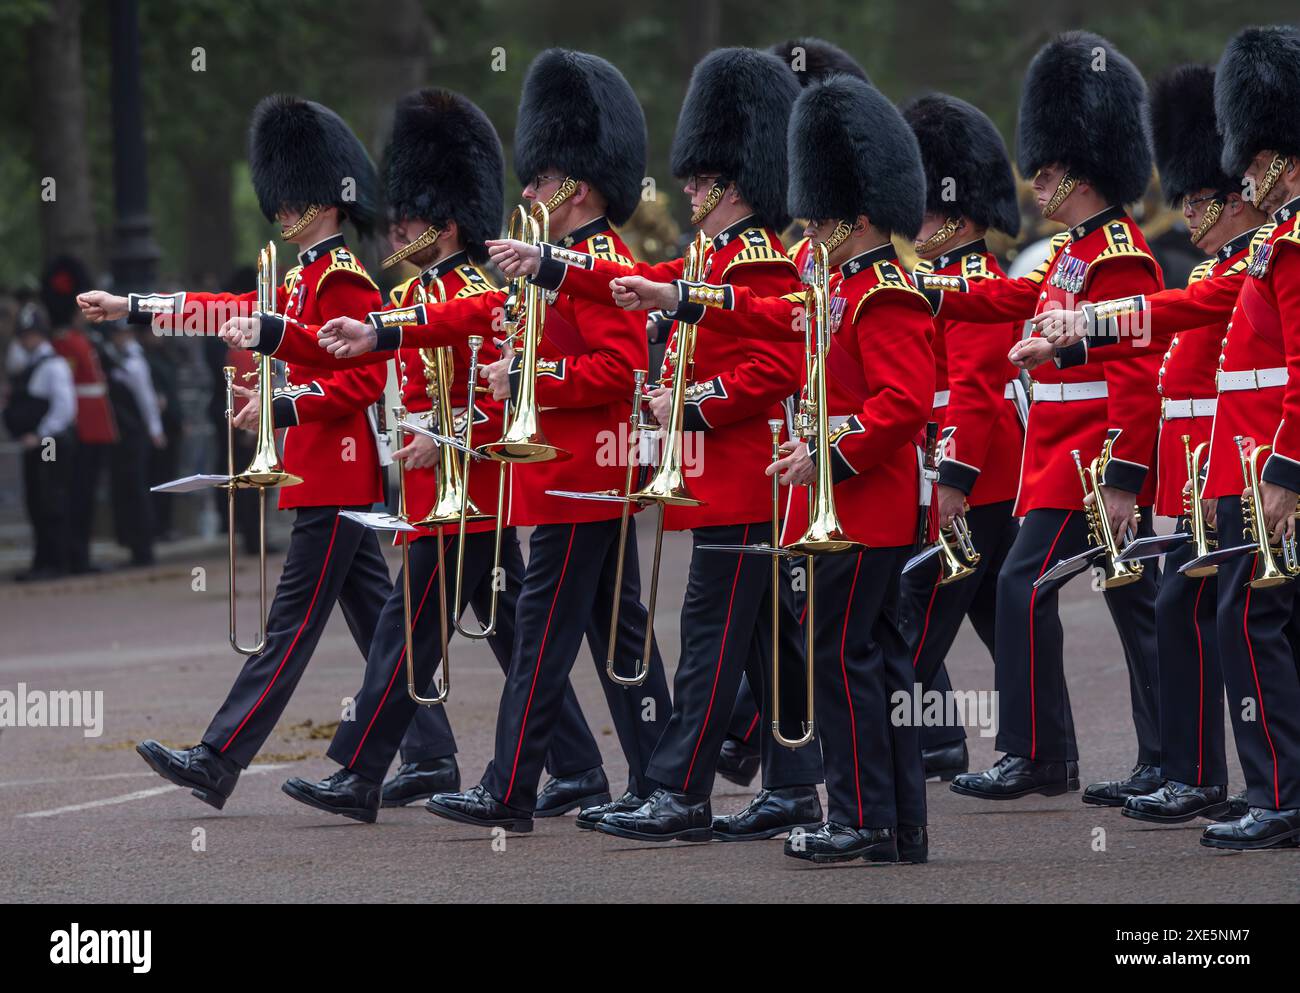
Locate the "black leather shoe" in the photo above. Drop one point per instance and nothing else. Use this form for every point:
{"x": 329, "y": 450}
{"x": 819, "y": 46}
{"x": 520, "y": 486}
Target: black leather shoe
{"x": 479, "y": 807}
{"x": 946, "y": 761}
{"x": 589, "y": 817}
{"x": 770, "y": 813}
{"x": 737, "y": 762}
{"x": 421, "y": 780}
{"x": 1260, "y": 828}
{"x": 1175, "y": 803}
{"x": 913, "y": 844}
{"x": 345, "y": 792}
{"x": 840, "y": 843}
{"x": 666, "y": 816}
{"x": 1015, "y": 776}
{"x": 1143, "y": 780}
{"x": 1238, "y": 807}
{"x": 559, "y": 796}
{"x": 200, "y": 769}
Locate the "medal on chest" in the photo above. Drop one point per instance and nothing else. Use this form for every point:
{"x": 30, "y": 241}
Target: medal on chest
{"x": 1069, "y": 274}
{"x": 838, "y": 304}
{"x": 297, "y": 299}
{"x": 1259, "y": 261}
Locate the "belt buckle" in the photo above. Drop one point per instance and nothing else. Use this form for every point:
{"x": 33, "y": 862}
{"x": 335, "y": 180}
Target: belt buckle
{"x": 1255, "y": 373}
{"x": 1164, "y": 408}
{"x": 1030, "y": 391}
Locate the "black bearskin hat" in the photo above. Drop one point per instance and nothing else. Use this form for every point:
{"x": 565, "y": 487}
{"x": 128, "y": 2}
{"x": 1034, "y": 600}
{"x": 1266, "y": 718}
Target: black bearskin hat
{"x": 64, "y": 277}
{"x": 734, "y": 122}
{"x": 1256, "y": 93}
{"x": 1188, "y": 146}
{"x": 1085, "y": 105}
{"x": 852, "y": 153}
{"x": 300, "y": 152}
{"x": 818, "y": 59}
{"x": 444, "y": 162}
{"x": 579, "y": 115}
{"x": 967, "y": 170}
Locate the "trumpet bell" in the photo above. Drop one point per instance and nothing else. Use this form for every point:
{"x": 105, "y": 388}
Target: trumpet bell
{"x": 820, "y": 539}
{"x": 523, "y": 441}
{"x": 264, "y": 472}
{"x": 668, "y": 487}
{"x": 447, "y": 511}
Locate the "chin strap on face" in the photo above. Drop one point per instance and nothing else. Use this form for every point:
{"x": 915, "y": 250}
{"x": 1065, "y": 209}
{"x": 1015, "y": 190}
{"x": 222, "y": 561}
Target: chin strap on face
{"x": 838, "y": 236}
{"x": 425, "y": 239}
{"x": 1210, "y": 218}
{"x": 712, "y": 200}
{"x": 1063, "y": 189}
{"x": 1266, "y": 184}
{"x": 945, "y": 232}
{"x": 566, "y": 190}
{"x": 301, "y": 224}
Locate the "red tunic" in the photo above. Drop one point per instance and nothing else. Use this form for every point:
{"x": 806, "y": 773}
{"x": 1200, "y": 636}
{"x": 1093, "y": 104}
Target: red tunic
{"x": 95, "y": 424}
{"x": 736, "y": 386}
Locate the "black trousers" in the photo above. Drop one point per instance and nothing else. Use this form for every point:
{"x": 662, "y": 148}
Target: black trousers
{"x": 874, "y": 776}
{"x": 132, "y": 501}
{"x": 726, "y": 632}
{"x": 568, "y": 593}
{"x": 48, "y": 493}
{"x": 330, "y": 558}
{"x": 384, "y": 708}
{"x": 1259, "y": 644}
{"x": 1034, "y": 717}
{"x": 1191, "y": 680}
{"x": 86, "y": 466}
{"x": 930, "y": 615}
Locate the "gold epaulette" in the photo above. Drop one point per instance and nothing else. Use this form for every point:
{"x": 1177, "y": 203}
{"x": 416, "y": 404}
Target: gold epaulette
{"x": 342, "y": 260}
{"x": 759, "y": 248}
{"x": 1119, "y": 244}
{"x": 923, "y": 267}
{"x": 1290, "y": 237}
{"x": 793, "y": 251}
{"x": 291, "y": 278}
{"x": 1054, "y": 247}
{"x": 1201, "y": 271}
{"x": 398, "y": 293}
{"x": 475, "y": 282}
{"x": 889, "y": 277}
{"x": 976, "y": 266}
{"x": 602, "y": 246}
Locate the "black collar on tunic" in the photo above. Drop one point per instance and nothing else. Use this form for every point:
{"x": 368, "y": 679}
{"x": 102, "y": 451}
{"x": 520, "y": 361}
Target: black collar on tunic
{"x": 859, "y": 263}
{"x": 1287, "y": 211}
{"x": 322, "y": 248}
{"x": 1237, "y": 244}
{"x": 444, "y": 266}
{"x": 1085, "y": 228}
{"x": 588, "y": 230}
{"x": 723, "y": 238}
{"x": 956, "y": 254}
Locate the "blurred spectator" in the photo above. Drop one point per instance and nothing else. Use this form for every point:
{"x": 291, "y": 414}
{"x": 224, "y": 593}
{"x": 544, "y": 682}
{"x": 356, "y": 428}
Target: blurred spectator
{"x": 62, "y": 280}
{"x": 41, "y": 415}
{"x": 139, "y": 422}
{"x": 164, "y": 461}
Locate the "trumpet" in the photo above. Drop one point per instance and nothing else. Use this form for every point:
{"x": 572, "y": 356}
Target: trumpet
{"x": 523, "y": 440}
{"x": 1267, "y": 570}
{"x": 957, "y": 555}
{"x": 1202, "y": 537}
{"x": 1116, "y": 573}
{"x": 265, "y": 471}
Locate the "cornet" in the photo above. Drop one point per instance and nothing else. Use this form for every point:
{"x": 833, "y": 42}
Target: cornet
{"x": 1201, "y": 535}
{"x": 1267, "y": 571}
{"x": 1100, "y": 535}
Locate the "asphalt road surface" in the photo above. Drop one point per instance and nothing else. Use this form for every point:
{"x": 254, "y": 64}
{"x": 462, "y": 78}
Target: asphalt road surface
{"x": 84, "y": 820}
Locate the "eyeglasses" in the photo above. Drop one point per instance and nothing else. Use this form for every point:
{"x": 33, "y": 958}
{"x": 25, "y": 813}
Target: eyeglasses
{"x": 540, "y": 180}
{"x": 1190, "y": 202}
{"x": 703, "y": 181}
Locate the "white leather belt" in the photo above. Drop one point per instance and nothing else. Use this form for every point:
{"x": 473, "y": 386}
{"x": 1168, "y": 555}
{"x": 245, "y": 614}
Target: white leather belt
{"x": 1069, "y": 392}
{"x": 91, "y": 389}
{"x": 1172, "y": 410}
{"x": 942, "y": 397}
{"x": 1251, "y": 379}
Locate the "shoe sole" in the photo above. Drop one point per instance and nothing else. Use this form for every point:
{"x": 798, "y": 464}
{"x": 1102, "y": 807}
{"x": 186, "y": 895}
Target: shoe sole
{"x": 868, "y": 855}
{"x": 767, "y": 834}
{"x": 515, "y": 825}
{"x": 1214, "y": 811}
{"x": 412, "y": 799}
{"x": 1071, "y": 786}
{"x": 594, "y": 800}
{"x": 361, "y": 814}
{"x": 208, "y": 796}
{"x": 1290, "y": 840}
{"x": 945, "y": 775}
{"x": 694, "y": 835}
{"x": 1100, "y": 802}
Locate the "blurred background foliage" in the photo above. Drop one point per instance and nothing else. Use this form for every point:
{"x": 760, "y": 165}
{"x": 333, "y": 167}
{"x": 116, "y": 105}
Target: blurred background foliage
{"x": 359, "y": 57}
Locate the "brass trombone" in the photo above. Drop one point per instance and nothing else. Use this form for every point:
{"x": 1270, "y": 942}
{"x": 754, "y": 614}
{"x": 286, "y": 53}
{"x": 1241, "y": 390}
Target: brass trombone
{"x": 1267, "y": 570}
{"x": 265, "y": 471}
{"x": 1201, "y": 533}
{"x": 1116, "y": 573}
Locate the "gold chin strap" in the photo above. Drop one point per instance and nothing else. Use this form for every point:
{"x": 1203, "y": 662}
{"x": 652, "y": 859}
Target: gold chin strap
{"x": 566, "y": 190}
{"x": 300, "y": 226}
{"x": 1063, "y": 189}
{"x": 427, "y": 238}
{"x": 1211, "y": 217}
{"x": 946, "y": 231}
{"x": 712, "y": 200}
{"x": 1265, "y": 187}
{"x": 837, "y": 237}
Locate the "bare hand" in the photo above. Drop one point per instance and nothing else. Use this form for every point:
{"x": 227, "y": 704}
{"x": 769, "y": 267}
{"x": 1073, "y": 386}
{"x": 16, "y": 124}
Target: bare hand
{"x": 951, "y": 502}
{"x": 1210, "y": 512}
{"x": 1031, "y": 353}
{"x": 639, "y": 293}
{"x": 418, "y": 453}
{"x": 660, "y": 403}
{"x": 1121, "y": 511}
{"x": 241, "y": 332}
{"x": 1279, "y": 510}
{"x": 1061, "y": 327}
{"x": 514, "y": 258}
{"x": 497, "y": 373}
{"x": 100, "y": 306}
{"x": 796, "y": 468}
{"x": 246, "y": 418}
{"x": 345, "y": 337}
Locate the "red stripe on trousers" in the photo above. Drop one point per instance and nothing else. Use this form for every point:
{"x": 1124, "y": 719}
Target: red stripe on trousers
{"x": 752, "y": 724}
{"x": 537, "y": 667}
{"x": 1259, "y": 695}
{"x": 1200, "y": 667}
{"x": 288, "y": 652}
{"x": 1033, "y": 659}
{"x": 853, "y": 724}
{"x": 717, "y": 669}
{"x": 925, "y": 628}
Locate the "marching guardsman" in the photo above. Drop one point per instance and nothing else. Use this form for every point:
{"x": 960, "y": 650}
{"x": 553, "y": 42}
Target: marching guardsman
{"x": 856, "y": 168}
{"x": 444, "y": 179}
{"x": 1257, "y": 81}
{"x": 310, "y": 173}
{"x": 1082, "y": 182}
{"x": 730, "y": 146}
{"x": 580, "y": 150}
{"x": 969, "y": 189}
